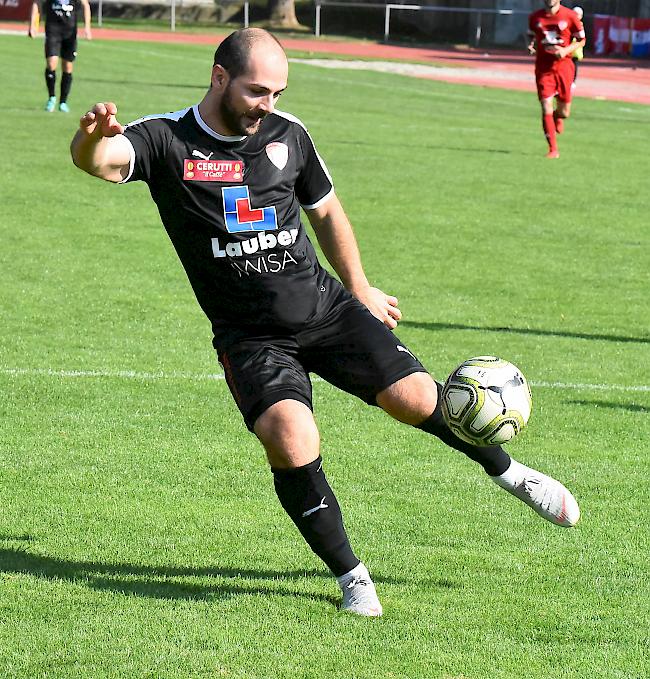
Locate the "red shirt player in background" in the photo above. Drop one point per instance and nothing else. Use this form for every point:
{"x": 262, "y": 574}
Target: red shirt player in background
{"x": 555, "y": 33}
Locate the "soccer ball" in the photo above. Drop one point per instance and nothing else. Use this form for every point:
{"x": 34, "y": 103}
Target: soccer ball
{"x": 486, "y": 401}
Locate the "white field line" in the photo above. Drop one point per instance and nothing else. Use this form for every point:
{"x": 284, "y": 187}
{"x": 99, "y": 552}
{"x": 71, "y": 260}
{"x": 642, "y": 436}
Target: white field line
{"x": 136, "y": 375}
{"x": 112, "y": 374}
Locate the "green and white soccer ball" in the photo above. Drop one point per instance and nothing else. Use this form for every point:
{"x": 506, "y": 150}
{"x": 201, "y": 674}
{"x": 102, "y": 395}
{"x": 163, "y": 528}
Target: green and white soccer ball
{"x": 486, "y": 401}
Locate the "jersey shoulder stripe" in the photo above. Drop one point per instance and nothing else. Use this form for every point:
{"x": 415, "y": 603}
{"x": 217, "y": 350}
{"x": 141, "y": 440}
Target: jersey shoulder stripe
{"x": 174, "y": 115}
{"x": 293, "y": 119}
{"x": 290, "y": 117}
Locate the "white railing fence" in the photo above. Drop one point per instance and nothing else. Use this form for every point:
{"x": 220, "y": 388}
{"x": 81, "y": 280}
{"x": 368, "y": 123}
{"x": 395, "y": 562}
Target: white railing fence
{"x": 390, "y": 9}
{"x": 179, "y": 3}
{"x": 476, "y": 16}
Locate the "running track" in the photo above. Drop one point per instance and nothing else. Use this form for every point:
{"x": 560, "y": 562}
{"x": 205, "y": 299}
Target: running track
{"x": 599, "y": 78}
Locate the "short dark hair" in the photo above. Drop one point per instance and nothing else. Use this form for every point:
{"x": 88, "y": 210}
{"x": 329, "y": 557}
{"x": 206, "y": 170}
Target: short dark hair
{"x": 233, "y": 52}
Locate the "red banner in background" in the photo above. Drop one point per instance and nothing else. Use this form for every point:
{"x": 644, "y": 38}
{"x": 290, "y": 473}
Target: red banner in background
{"x": 600, "y": 39}
{"x": 15, "y": 10}
{"x": 620, "y": 35}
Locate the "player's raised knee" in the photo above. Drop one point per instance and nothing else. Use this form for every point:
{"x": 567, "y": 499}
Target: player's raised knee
{"x": 411, "y": 399}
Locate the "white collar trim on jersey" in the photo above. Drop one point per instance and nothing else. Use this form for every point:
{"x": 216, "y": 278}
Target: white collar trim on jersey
{"x": 208, "y": 130}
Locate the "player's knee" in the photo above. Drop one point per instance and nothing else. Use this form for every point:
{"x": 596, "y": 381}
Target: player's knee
{"x": 546, "y": 106}
{"x": 411, "y": 399}
{"x": 288, "y": 432}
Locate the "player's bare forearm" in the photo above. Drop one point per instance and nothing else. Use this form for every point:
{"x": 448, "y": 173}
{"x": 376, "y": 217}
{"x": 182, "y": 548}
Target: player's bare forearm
{"x": 33, "y": 20}
{"x": 529, "y": 41}
{"x": 95, "y": 156}
{"x": 561, "y": 52}
{"x": 98, "y": 147}
{"x": 575, "y": 46}
{"x": 87, "y": 20}
{"x": 337, "y": 240}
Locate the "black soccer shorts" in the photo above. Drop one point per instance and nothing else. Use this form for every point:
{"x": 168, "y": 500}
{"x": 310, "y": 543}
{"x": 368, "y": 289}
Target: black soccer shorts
{"x": 61, "y": 42}
{"x": 349, "y": 348}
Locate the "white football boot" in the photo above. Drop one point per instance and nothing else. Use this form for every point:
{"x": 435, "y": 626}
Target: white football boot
{"x": 359, "y": 594}
{"x": 548, "y": 497}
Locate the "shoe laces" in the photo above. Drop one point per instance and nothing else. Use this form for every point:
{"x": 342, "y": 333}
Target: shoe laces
{"x": 530, "y": 485}
{"x": 542, "y": 494}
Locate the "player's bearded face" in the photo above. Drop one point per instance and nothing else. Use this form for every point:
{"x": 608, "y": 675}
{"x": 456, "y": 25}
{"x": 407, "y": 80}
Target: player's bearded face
{"x": 239, "y": 115}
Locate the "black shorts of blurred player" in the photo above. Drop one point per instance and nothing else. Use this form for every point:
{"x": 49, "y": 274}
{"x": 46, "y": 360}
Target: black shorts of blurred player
{"x": 60, "y": 42}
{"x": 350, "y": 349}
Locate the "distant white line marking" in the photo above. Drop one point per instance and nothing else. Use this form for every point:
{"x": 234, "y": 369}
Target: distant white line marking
{"x": 135, "y": 375}
{"x": 596, "y": 387}
{"x": 114, "y": 374}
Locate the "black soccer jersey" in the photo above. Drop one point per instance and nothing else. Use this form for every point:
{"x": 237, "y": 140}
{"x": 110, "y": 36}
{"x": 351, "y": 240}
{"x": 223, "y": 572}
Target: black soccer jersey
{"x": 231, "y": 207}
{"x": 60, "y": 14}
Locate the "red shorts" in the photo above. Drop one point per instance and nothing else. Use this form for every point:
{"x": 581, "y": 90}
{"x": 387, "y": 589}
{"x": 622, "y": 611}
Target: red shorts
{"x": 556, "y": 81}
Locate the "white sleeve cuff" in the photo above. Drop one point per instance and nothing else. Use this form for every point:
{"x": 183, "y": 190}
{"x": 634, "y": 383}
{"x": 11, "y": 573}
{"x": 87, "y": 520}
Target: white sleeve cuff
{"x": 320, "y": 202}
{"x": 131, "y": 160}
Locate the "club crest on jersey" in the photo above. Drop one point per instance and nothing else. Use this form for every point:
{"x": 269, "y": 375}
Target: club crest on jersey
{"x": 240, "y": 216}
{"x": 278, "y": 154}
{"x": 213, "y": 170}
{"x": 562, "y": 25}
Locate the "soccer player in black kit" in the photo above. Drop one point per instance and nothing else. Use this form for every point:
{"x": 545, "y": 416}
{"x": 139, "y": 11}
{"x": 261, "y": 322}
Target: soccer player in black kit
{"x": 229, "y": 176}
{"x": 60, "y": 41}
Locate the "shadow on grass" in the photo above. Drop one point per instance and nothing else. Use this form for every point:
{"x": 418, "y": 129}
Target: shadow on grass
{"x": 631, "y": 407}
{"x": 526, "y": 331}
{"x": 156, "y": 581}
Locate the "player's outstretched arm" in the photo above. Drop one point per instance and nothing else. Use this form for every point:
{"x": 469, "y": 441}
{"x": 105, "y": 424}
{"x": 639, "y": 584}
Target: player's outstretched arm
{"x": 561, "y": 52}
{"x": 34, "y": 18}
{"x": 98, "y": 147}
{"x": 529, "y": 41}
{"x": 87, "y": 17}
{"x": 337, "y": 240}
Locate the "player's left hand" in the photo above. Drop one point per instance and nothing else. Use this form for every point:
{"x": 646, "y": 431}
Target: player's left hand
{"x": 381, "y": 306}
{"x": 100, "y": 121}
{"x": 88, "y": 34}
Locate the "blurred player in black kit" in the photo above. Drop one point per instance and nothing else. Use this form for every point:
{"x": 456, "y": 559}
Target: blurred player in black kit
{"x": 229, "y": 176}
{"x": 60, "y": 41}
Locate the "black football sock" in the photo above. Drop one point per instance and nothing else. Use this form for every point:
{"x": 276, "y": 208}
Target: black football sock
{"x": 66, "y": 84}
{"x": 310, "y": 502}
{"x": 50, "y": 81}
{"x": 493, "y": 459}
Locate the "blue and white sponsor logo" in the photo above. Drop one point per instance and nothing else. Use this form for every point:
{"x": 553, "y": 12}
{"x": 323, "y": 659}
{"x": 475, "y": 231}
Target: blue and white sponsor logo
{"x": 240, "y": 216}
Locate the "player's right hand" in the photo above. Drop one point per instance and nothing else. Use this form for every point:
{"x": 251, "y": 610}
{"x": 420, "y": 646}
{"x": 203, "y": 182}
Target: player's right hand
{"x": 382, "y": 306}
{"x": 100, "y": 121}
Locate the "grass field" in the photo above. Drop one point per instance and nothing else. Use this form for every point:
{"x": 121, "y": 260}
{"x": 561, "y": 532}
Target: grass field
{"x": 139, "y": 532}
